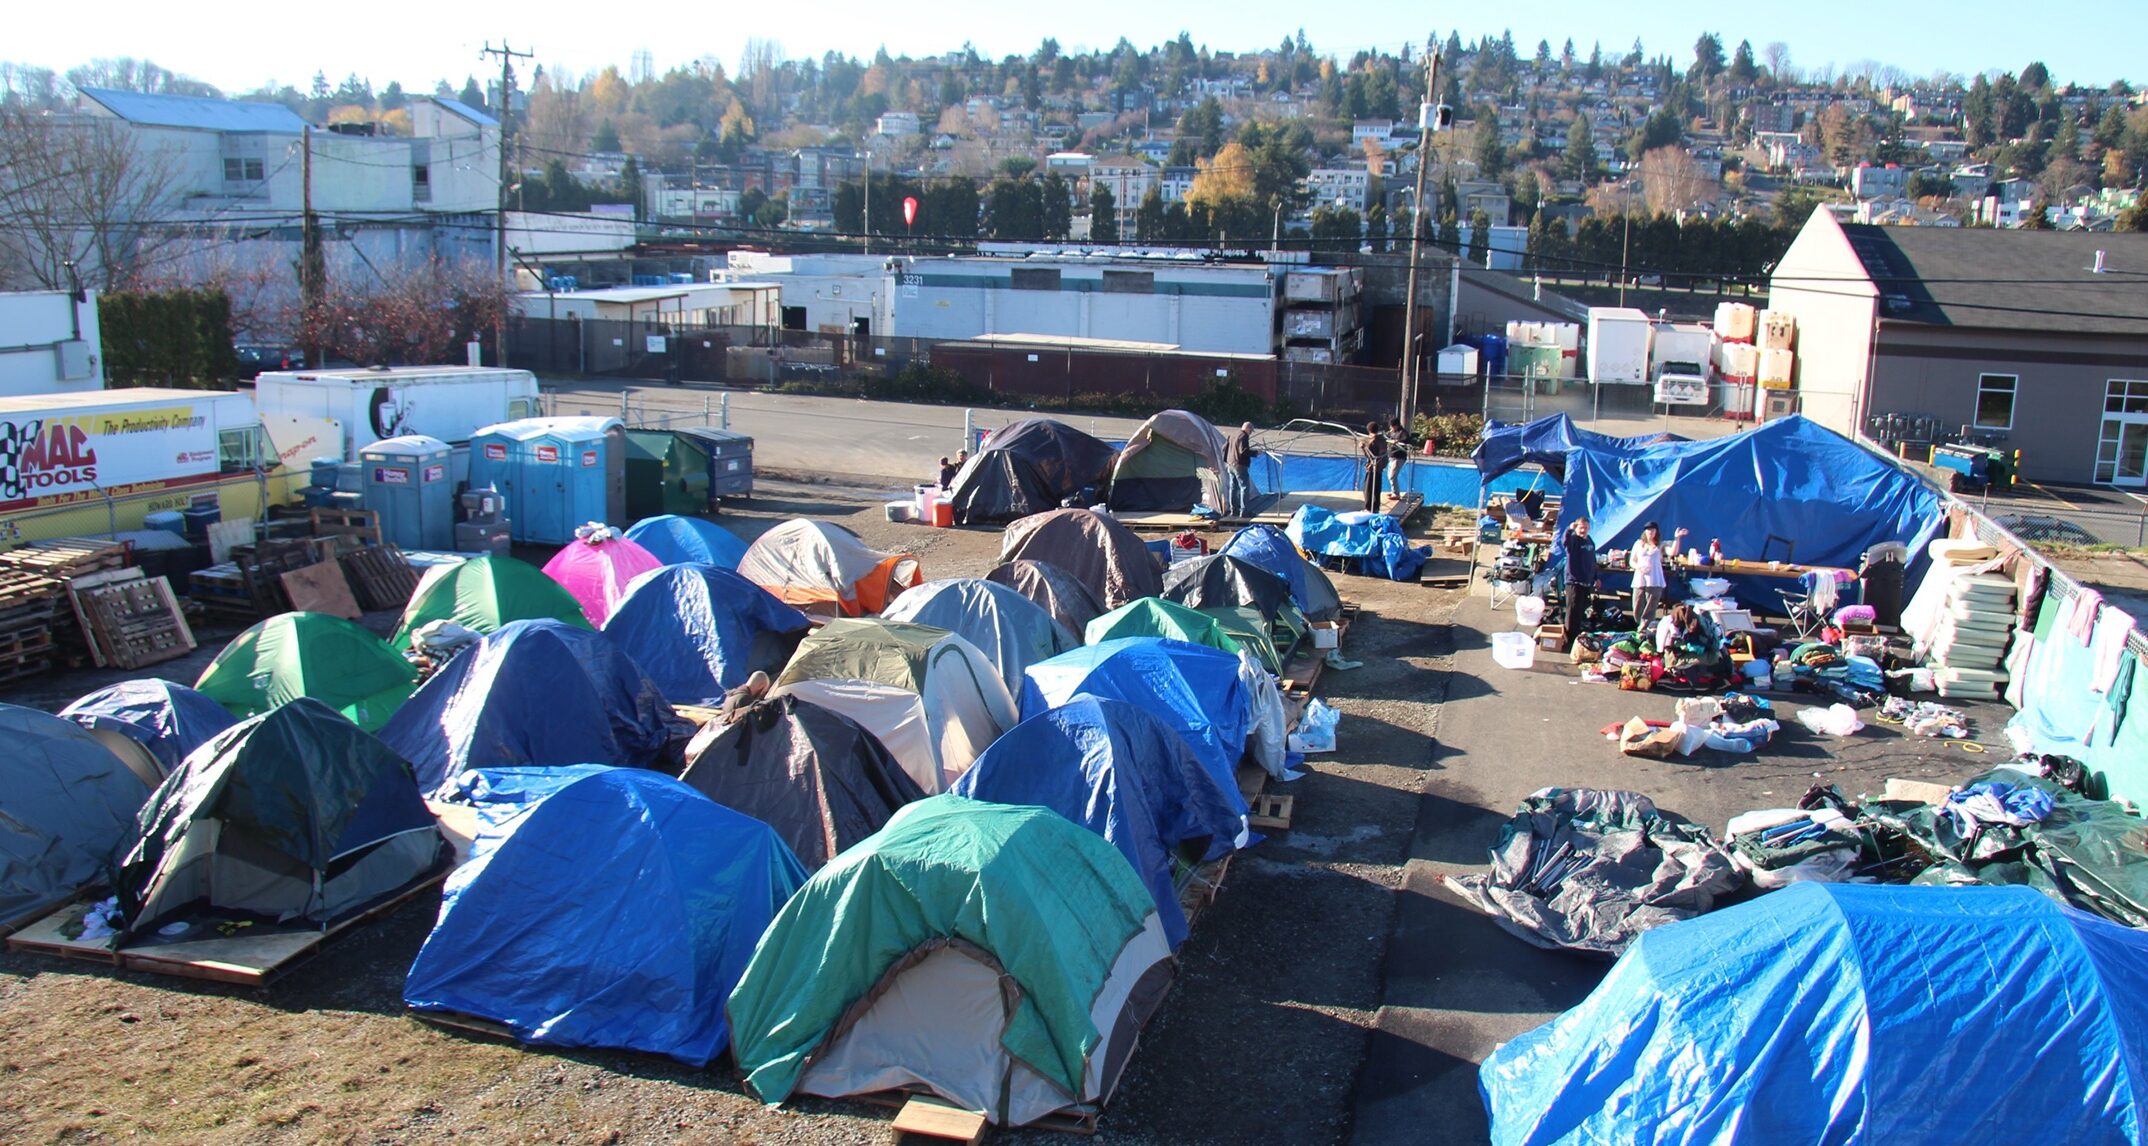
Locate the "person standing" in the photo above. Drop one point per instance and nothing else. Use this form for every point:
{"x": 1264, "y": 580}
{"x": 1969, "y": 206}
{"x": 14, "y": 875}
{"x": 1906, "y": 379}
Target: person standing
{"x": 1649, "y": 578}
{"x": 1238, "y": 455}
{"x": 1580, "y": 578}
{"x": 948, "y": 470}
{"x": 1398, "y": 452}
{"x": 1375, "y": 447}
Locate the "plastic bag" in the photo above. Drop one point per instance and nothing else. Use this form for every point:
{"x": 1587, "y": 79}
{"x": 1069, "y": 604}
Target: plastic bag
{"x": 1826, "y": 867}
{"x": 1834, "y": 720}
{"x": 1699, "y": 709}
{"x": 1316, "y": 729}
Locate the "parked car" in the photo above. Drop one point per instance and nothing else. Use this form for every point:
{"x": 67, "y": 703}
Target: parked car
{"x": 253, "y": 359}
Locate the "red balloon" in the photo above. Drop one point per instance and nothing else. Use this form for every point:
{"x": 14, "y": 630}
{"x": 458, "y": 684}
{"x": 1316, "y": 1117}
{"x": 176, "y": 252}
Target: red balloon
{"x": 909, "y": 211}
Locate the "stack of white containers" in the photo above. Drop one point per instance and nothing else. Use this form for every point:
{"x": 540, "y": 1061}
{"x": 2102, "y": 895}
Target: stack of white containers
{"x": 1968, "y": 643}
{"x": 1778, "y": 334}
{"x": 1737, "y": 360}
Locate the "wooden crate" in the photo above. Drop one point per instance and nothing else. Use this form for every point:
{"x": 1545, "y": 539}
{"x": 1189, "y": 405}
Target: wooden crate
{"x": 363, "y": 524}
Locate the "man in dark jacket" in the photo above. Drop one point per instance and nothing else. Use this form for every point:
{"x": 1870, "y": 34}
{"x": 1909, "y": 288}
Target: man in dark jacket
{"x": 1238, "y": 455}
{"x": 1580, "y": 578}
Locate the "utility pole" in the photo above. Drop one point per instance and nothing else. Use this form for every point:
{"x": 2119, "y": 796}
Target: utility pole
{"x": 1625, "y": 250}
{"x": 312, "y": 264}
{"x": 1428, "y": 120}
{"x": 508, "y": 56}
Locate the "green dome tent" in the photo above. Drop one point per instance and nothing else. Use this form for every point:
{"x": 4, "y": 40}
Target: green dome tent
{"x": 329, "y": 659}
{"x": 484, "y": 594}
{"x": 1156, "y": 617}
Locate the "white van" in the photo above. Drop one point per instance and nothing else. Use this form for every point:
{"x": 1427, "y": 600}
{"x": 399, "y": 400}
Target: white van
{"x": 336, "y": 413}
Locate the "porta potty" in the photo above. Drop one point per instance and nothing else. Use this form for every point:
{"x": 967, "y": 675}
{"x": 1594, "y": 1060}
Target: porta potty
{"x": 555, "y": 473}
{"x": 407, "y": 483}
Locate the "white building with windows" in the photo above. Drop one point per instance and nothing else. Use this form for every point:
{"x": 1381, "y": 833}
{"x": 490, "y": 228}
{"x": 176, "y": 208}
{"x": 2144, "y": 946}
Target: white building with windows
{"x": 1347, "y": 186}
{"x": 1200, "y": 308}
{"x": 1129, "y": 180}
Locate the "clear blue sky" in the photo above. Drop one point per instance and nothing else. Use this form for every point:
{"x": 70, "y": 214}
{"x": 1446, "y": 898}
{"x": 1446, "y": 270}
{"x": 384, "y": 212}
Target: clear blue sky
{"x": 237, "y": 44}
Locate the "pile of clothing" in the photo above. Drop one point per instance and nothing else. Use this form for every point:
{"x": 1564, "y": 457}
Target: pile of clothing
{"x": 1924, "y": 718}
{"x": 1826, "y": 670}
{"x": 1588, "y": 870}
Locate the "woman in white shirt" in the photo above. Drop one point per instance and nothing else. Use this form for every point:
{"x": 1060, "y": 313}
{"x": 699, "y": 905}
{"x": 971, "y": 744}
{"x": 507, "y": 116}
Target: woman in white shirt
{"x": 1649, "y": 581}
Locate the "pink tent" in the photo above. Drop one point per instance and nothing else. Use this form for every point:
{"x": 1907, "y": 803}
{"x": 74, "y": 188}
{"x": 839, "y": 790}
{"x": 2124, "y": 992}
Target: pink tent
{"x": 596, "y": 567}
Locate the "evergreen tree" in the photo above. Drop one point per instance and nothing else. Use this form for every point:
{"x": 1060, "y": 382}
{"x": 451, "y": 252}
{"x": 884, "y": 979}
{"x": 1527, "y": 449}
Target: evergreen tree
{"x": 1743, "y": 68}
{"x": 1480, "y": 237}
{"x": 1578, "y": 163}
{"x": 1595, "y": 69}
{"x": 1103, "y": 216}
{"x": 1490, "y": 154}
{"x": 606, "y": 139}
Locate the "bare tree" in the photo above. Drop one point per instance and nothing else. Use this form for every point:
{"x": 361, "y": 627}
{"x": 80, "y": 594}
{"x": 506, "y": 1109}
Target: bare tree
{"x": 127, "y": 74}
{"x": 383, "y": 314}
{"x": 757, "y": 67}
{"x": 1777, "y": 55}
{"x": 22, "y": 85}
{"x": 1672, "y": 181}
{"x": 79, "y": 197}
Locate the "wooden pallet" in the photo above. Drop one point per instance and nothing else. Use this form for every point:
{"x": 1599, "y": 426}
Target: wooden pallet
{"x": 221, "y": 588}
{"x": 247, "y": 960}
{"x": 321, "y": 588}
{"x": 132, "y": 623}
{"x": 19, "y": 587}
{"x": 66, "y": 556}
{"x": 1270, "y": 811}
{"x": 362, "y": 524}
{"x": 466, "y": 1024}
{"x": 380, "y": 577}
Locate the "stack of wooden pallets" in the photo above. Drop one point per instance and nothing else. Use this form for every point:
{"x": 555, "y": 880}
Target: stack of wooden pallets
{"x": 37, "y": 628}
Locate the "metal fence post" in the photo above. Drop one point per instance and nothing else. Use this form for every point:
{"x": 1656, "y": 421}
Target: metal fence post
{"x": 623, "y": 406}
{"x": 724, "y": 407}
{"x": 969, "y": 427}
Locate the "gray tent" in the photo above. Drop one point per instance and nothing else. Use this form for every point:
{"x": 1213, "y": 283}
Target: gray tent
{"x": 1011, "y": 630}
{"x": 1100, "y": 551}
{"x": 1054, "y": 590}
{"x": 67, "y": 807}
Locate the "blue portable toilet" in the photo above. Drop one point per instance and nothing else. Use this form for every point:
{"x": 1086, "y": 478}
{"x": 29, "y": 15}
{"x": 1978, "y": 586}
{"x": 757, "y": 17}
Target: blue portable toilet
{"x": 407, "y": 483}
{"x": 555, "y": 474}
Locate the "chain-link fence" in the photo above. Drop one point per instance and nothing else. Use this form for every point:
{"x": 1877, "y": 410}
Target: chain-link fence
{"x": 1626, "y": 409}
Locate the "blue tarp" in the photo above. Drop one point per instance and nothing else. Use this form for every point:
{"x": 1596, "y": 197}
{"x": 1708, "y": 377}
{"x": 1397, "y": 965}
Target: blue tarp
{"x": 1791, "y": 490}
{"x": 676, "y": 540}
{"x": 1847, "y": 1013}
{"x": 170, "y": 720}
{"x": 1375, "y": 539}
{"x": 617, "y": 912}
{"x": 1120, "y": 772}
{"x": 1442, "y": 481}
{"x": 536, "y": 692}
{"x": 693, "y": 629}
{"x": 1549, "y": 441}
{"x": 1193, "y": 689}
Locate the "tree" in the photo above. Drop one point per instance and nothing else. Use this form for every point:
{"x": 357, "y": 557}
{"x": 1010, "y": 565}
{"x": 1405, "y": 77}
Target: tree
{"x": 388, "y": 313}
{"x": 2038, "y": 217}
{"x": 1672, "y": 181}
{"x": 606, "y": 140}
{"x": 2135, "y": 218}
{"x": 1777, "y": 54}
{"x": 1057, "y": 205}
{"x": 630, "y": 186}
{"x": 1795, "y": 206}
{"x": 1480, "y": 237}
{"x": 1337, "y": 227}
{"x": 1149, "y": 217}
{"x": 1742, "y": 68}
{"x": 1014, "y": 210}
{"x": 1103, "y": 216}
{"x": 1595, "y": 69}
{"x": 79, "y": 197}
{"x": 471, "y": 96}
{"x": 127, "y": 74}
{"x": 1376, "y": 228}
{"x": 1578, "y": 162}
{"x": 1490, "y": 154}
{"x": 1707, "y": 58}
{"x": 2036, "y": 77}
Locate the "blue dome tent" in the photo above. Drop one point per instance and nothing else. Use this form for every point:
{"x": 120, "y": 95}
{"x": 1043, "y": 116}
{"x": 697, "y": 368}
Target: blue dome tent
{"x": 1195, "y": 690}
{"x": 698, "y": 630}
{"x": 676, "y": 540}
{"x": 166, "y": 720}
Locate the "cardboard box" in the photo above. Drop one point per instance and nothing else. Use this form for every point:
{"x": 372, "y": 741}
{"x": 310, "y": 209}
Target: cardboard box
{"x": 1326, "y": 635}
{"x": 1551, "y": 638}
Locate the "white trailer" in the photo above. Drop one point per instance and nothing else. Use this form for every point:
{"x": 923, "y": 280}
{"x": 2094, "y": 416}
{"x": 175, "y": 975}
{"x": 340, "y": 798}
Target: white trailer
{"x": 1618, "y": 344}
{"x": 337, "y": 413}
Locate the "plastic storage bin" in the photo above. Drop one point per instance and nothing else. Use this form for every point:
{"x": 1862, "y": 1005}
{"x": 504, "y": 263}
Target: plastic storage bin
{"x": 1513, "y": 650}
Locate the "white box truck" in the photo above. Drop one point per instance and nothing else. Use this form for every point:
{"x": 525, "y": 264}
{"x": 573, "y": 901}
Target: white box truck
{"x": 336, "y": 413}
{"x": 1618, "y": 345}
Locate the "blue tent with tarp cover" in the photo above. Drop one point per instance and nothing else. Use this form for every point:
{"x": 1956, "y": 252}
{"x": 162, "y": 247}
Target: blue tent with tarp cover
{"x": 698, "y": 630}
{"x": 617, "y": 910}
{"x": 1547, "y": 441}
{"x": 1123, "y": 774}
{"x": 168, "y": 720}
{"x": 536, "y": 692}
{"x": 676, "y": 540}
{"x": 1273, "y": 550}
{"x": 1847, "y": 1013}
{"x": 1375, "y": 539}
{"x": 1791, "y": 490}
{"x": 1195, "y": 690}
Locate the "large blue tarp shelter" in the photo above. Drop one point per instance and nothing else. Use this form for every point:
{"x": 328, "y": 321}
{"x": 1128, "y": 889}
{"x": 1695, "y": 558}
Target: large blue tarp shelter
{"x": 1375, "y": 539}
{"x": 1548, "y": 442}
{"x": 1845, "y": 1013}
{"x": 618, "y": 911}
{"x": 698, "y": 630}
{"x": 1123, "y": 774}
{"x": 676, "y": 540}
{"x": 536, "y": 692}
{"x": 1193, "y": 689}
{"x": 169, "y": 720}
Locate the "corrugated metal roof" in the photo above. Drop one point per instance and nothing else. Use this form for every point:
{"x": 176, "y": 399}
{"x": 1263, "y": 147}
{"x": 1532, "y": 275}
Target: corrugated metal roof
{"x": 196, "y": 112}
{"x": 466, "y": 111}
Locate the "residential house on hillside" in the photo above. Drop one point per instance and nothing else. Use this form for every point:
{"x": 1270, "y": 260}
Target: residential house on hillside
{"x": 2013, "y": 336}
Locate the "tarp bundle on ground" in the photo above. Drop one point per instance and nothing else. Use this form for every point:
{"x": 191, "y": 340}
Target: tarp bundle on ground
{"x": 162, "y": 720}
{"x": 818, "y": 565}
{"x": 676, "y": 540}
{"x": 1375, "y": 539}
{"x": 1007, "y": 627}
{"x": 1100, "y": 552}
{"x": 1221, "y": 580}
{"x": 618, "y": 912}
{"x": 966, "y": 703}
{"x": 596, "y": 567}
{"x": 1789, "y": 490}
{"x": 1173, "y": 462}
{"x": 1549, "y": 441}
{"x": 1026, "y": 467}
{"x": 482, "y": 594}
{"x": 292, "y": 655}
{"x": 67, "y": 810}
{"x": 699, "y": 630}
{"x": 1120, "y": 772}
{"x": 1846, "y": 1013}
{"x": 1003, "y": 957}
{"x": 1273, "y": 550}
{"x": 815, "y": 776}
{"x": 1054, "y": 590}
{"x": 1585, "y": 870}
{"x": 536, "y": 692}
{"x": 295, "y": 816}
{"x": 1194, "y": 689}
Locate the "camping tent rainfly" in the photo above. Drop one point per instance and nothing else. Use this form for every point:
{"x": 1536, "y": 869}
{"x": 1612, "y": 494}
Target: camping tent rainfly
{"x": 294, "y": 655}
{"x": 536, "y": 692}
{"x": 1028, "y": 466}
{"x": 1001, "y": 956}
{"x": 1173, "y": 462}
{"x": 1846, "y": 1013}
{"x": 967, "y": 705}
{"x": 1054, "y": 590}
{"x": 1194, "y": 689}
{"x": 1220, "y": 580}
{"x": 676, "y": 540}
{"x": 595, "y": 568}
{"x": 150, "y": 724}
{"x": 1099, "y": 551}
{"x": 1121, "y": 773}
{"x": 815, "y": 776}
{"x": 296, "y": 816}
{"x": 617, "y": 912}
{"x": 1156, "y": 617}
{"x": 1010, "y": 629}
{"x": 67, "y": 810}
{"x": 1271, "y": 549}
{"x": 817, "y": 565}
{"x": 698, "y": 630}
{"x": 482, "y": 594}
{"x": 894, "y": 715}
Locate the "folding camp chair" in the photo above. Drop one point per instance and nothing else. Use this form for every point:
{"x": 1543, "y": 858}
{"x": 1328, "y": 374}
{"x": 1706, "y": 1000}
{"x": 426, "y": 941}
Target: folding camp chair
{"x": 1806, "y": 615}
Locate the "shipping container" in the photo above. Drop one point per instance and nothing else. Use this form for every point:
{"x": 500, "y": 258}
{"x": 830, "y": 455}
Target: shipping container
{"x": 1618, "y": 345}
{"x": 1336, "y": 284}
